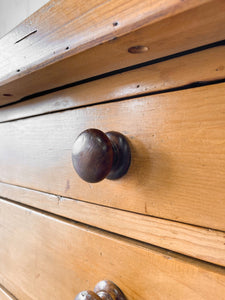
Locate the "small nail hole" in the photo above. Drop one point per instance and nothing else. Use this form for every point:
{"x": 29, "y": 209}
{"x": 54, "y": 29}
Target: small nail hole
{"x": 115, "y": 24}
{"x": 138, "y": 49}
{"x": 138, "y": 86}
{"x": 67, "y": 48}
{"x": 18, "y": 70}
{"x": 7, "y": 95}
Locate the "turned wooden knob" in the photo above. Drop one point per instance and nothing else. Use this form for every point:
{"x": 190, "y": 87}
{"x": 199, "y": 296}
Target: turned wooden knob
{"x": 97, "y": 155}
{"x": 104, "y": 290}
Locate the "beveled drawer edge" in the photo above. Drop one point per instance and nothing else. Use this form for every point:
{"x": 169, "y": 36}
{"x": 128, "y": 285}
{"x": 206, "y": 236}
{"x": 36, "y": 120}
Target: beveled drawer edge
{"x": 198, "y": 242}
{"x": 5, "y": 294}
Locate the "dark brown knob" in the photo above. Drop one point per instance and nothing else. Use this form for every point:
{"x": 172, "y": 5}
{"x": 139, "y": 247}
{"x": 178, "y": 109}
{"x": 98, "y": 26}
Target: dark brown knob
{"x": 104, "y": 290}
{"x": 97, "y": 155}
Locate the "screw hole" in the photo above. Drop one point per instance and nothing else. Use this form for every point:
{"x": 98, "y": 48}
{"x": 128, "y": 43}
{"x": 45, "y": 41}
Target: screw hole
{"x": 138, "y": 86}
{"x": 115, "y": 24}
{"x": 138, "y": 49}
{"x": 18, "y": 70}
{"x": 67, "y": 48}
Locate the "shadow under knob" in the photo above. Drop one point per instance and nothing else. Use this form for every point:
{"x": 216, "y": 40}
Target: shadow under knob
{"x": 97, "y": 155}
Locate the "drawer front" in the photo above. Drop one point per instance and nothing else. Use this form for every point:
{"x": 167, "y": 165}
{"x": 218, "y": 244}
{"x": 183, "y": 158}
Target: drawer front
{"x": 43, "y": 257}
{"x": 178, "y": 154}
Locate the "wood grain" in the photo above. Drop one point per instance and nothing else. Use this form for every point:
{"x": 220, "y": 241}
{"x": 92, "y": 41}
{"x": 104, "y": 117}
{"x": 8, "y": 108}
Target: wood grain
{"x": 207, "y": 65}
{"x": 170, "y": 31}
{"x": 83, "y": 26}
{"x": 178, "y": 155}
{"x": 5, "y": 295}
{"x": 64, "y": 258}
{"x": 201, "y": 243}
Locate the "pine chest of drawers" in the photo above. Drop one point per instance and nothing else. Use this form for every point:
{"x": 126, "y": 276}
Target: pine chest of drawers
{"x": 152, "y": 71}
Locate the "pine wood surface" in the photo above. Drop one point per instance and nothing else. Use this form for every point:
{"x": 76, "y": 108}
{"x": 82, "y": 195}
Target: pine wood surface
{"x": 43, "y": 257}
{"x": 202, "y": 243}
{"x": 203, "y": 66}
{"x": 174, "y": 26}
{"x": 178, "y": 155}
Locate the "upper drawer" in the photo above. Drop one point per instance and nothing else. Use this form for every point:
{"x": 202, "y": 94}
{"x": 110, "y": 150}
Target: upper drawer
{"x": 51, "y": 49}
{"x": 178, "y": 154}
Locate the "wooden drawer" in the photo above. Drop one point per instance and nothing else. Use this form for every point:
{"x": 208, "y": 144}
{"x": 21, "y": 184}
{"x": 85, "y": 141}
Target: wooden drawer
{"x": 156, "y": 76}
{"x": 43, "y": 257}
{"x": 178, "y": 154}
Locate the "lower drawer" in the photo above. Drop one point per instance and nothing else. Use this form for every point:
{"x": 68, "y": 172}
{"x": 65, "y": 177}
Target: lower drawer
{"x": 44, "y": 257}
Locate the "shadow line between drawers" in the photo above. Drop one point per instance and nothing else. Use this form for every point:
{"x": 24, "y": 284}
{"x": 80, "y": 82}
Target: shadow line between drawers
{"x": 170, "y": 90}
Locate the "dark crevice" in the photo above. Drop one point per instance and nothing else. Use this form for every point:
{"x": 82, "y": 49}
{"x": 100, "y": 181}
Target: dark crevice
{"x": 25, "y": 36}
{"x": 118, "y": 71}
{"x": 170, "y": 90}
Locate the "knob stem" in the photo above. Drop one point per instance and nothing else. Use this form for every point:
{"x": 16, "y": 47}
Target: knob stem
{"x": 121, "y": 155}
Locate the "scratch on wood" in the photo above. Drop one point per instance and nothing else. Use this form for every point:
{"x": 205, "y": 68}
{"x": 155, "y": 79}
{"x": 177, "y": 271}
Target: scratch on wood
{"x": 26, "y": 36}
{"x": 59, "y": 199}
{"x": 67, "y": 185}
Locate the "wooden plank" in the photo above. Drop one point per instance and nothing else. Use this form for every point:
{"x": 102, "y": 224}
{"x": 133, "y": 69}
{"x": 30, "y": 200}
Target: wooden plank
{"x": 201, "y": 243}
{"x": 178, "y": 155}
{"x": 202, "y": 66}
{"x": 170, "y": 31}
{"x": 64, "y": 258}
{"x": 5, "y": 295}
{"x": 85, "y": 25}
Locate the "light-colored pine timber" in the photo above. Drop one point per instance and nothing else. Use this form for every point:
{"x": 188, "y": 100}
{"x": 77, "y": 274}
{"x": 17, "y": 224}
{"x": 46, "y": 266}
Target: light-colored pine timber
{"x": 165, "y": 27}
{"x": 43, "y": 257}
{"x": 178, "y": 155}
{"x": 202, "y": 243}
{"x": 203, "y": 66}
